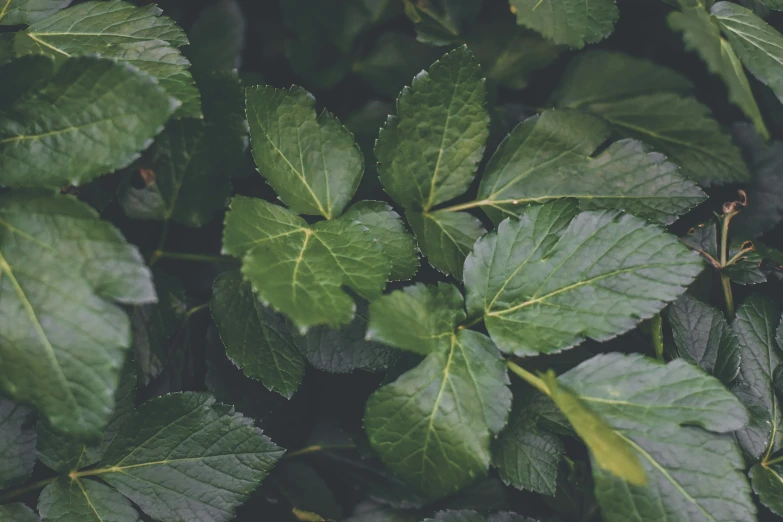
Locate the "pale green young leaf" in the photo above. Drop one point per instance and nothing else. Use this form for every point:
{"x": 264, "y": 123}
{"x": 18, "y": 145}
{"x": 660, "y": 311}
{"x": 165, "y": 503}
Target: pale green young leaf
{"x": 18, "y": 12}
{"x": 526, "y": 454}
{"x": 758, "y": 44}
{"x": 664, "y": 413}
{"x": 428, "y": 153}
{"x": 92, "y": 117}
{"x": 257, "y": 340}
{"x": 644, "y": 101}
{"x": 431, "y": 315}
{"x": 757, "y": 319}
{"x": 446, "y": 238}
{"x": 701, "y": 33}
{"x": 549, "y": 280}
{"x": 301, "y": 270}
{"x": 310, "y": 159}
{"x": 386, "y": 228}
{"x": 462, "y": 393}
{"x": 568, "y": 22}
{"x": 119, "y": 30}
{"x": 60, "y": 262}
{"x": 185, "y": 457}
{"x": 703, "y": 337}
{"x": 18, "y": 512}
{"x": 553, "y": 156}
{"x": 441, "y": 22}
{"x": 17, "y": 442}
{"x": 84, "y": 500}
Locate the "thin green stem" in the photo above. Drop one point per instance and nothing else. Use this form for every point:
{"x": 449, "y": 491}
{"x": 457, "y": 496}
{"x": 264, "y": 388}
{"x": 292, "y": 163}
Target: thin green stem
{"x": 725, "y": 282}
{"x": 466, "y": 206}
{"x": 776, "y": 460}
{"x": 656, "y": 325}
{"x": 195, "y": 310}
{"x": 528, "y": 377}
{"x": 472, "y": 323}
{"x": 724, "y": 249}
{"x": 316, "y": 448}
{"x": 738, "y": 255}
{"x": 160, "y": 254}
{"x": 5, "y": 497}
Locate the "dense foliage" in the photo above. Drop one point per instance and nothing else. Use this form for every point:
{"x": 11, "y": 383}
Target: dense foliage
{"x": 484, "y": 261}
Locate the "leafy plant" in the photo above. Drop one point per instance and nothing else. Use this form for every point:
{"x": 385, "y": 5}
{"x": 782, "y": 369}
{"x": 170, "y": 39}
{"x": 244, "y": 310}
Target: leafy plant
{"x": 535, "y": 282}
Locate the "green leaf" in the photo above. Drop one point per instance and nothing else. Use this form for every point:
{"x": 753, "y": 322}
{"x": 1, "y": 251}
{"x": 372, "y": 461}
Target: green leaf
{"x": 653, "y": 111}
{"x": 527, "y": 454}
{"x": 21, "y": 75}
{"x": 703, "y": 337}
{"x": 430, "y": 314}
{"x": 65, "y": 454}
{"x": 17, "y": 443}
{"x": 568, "y": 22}
{"x": 441, "y": 22}
{"x": 257, "y": 340}
{"x": 77, "y": 500}
{"x": 346, "y": 349}
{"x": 6, "y": 47}
{"x": 18, "y": 12}
{"x": 389, "y": 233}
{"x": 664, "y": 412}
{"x": 702, "y": 34}
{"x": 446, "y": 238}
{"x": 433, "y": 425}
{"x": 310, "y": 159}
{"x": 155, "y": 325}
{"x": 301, "y": 270}
{"x": 185, "y": 457}
{"x": 549, "y": 280}
{"x": 109, "y": 115}
{"x": 553, "y": 156}
{"x": 456, "y": 516}
{"x": 119, "y": 30}
{"x": 63, "y": 273}
{"x": 18, "y": 513}
{"x": 755, "y": 324}
{"x": 428, "y": 153}
{"x": 767, "y": 482}
{"x": 217, "y": 37}
{"x": 757, "y": 44}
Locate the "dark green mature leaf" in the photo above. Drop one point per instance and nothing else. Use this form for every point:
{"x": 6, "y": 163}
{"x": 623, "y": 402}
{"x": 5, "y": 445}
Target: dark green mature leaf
{"x": 64, "y": 339}
{"x": 527, "y": 454}
{"x": 389, "y": 233}
{"x": 22, "y": 75}
{"x": 305, "y": 489}
{"x": 119, "y": 30}
{"x": 310, "y": 160}
{"x": 300, "y": 269}
{"x": 446, "y": 238}
{"x": 427, "y": 154}
{"x": 64, "y": 454}
{"x": 703, "y": 337}
{"x": 257, "y": 340}
{"x": 456, "y": 516}
{"x": 461, "y": 395}
{"x": 430, "y": 315}
{"x": 93, "y": 117}
{"x": 185, "y": 457}
{"x": 217, "y": 37}
{"x": 79, "y": 500}
{"x": 441, "y": 22}
{"x": 767, "y": 482}
{"x": 702, "y": 34}
{"x": 552, "y": 156}
{"x": 6, "y": 47}
{"x": 17, "y": 442}
{"x": 643, "y": 101}
{"x": 755, "y": 324}
{"x": 346, "y": 349}
{"x": 758, "y": 45}
{"x": 656, "y": 408}
{"x": 555, "y": 277}
{"x": 18, "y": 513}
{"x": 18, "y": 12}
{"x": 568, "y": 22}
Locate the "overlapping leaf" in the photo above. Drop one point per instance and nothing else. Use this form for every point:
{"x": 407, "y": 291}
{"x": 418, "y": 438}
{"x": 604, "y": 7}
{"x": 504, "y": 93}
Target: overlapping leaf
{"x": 569, "y": 22}
{"x": 64, "y": 337}
{"x": 18, "y": 512}
{"x": 17, "y": 442}
{"x": 554, "y": 277}
{"x": 78, "y": 500}
{"x": 299, "y": 269}
{"x": 446, "y": 238}
{"x": 441, "y": 22}
{"x": 17, "y": 12}
{"x": 119, "y": 30}
{"x": 92, "y": 117}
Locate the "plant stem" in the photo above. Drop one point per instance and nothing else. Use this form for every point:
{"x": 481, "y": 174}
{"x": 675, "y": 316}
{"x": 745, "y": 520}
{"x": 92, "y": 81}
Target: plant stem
{"x": 161, "y": 254}
{"x": 528, "y": 377}
{"x": 195, "y": 310}
{"x": 724, "y": 249}
{"x": 727, "y": 295}
{"x": 656, "y": 325}
{"x": 315, "y": 448}
{"x": 26, "y": 489}
{"x": 465, "y": 206}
